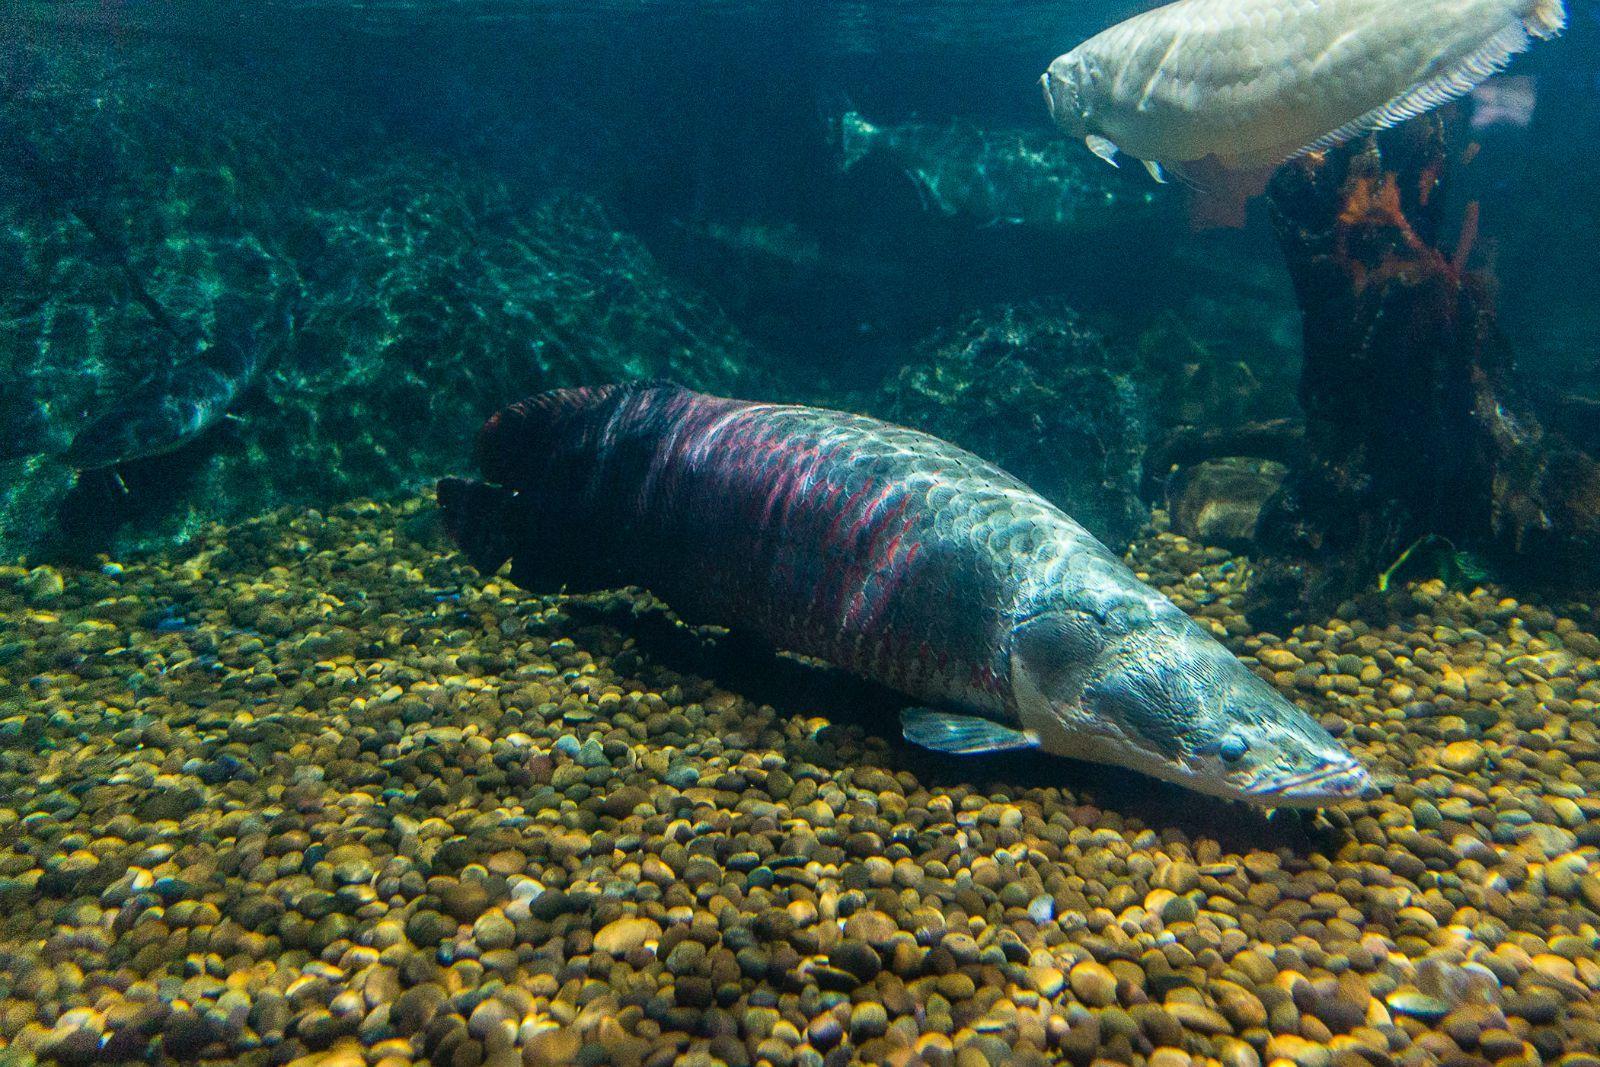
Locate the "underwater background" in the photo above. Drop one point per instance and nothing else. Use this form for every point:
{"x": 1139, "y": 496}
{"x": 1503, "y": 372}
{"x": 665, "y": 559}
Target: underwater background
{"x": 283, "y": 779}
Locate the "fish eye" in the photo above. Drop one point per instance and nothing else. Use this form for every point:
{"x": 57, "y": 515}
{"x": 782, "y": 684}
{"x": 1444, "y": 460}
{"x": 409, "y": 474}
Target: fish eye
{"x": 1232, "y": 749}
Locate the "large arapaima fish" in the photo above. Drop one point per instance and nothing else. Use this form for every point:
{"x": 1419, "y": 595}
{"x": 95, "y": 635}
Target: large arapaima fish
{"x": 893, "y": 555}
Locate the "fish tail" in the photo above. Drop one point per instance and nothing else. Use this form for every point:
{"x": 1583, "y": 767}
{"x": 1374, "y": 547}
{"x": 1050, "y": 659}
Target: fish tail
{"x": 536, "y": 433}
{"x": 556, "y": 468}
{"x": 529, "y": 427}
{"x": 475, "y": 517}
{"x": 855, "y": 136}
{"x": 1545, "y": 18}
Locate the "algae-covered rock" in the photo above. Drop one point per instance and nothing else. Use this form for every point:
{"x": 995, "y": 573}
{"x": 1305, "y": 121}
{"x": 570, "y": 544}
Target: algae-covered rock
{"x": 216, "y": 310}
{"x": 1034, "y": 389}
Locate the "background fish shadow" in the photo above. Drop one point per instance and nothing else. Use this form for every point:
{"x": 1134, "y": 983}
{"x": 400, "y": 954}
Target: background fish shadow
{"x": 795, "y": 687}
{"x": 101, "y": 502}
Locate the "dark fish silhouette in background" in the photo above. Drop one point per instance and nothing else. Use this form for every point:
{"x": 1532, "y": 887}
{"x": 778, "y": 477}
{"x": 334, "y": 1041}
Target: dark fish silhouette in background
{"x": 999, "y": 178}
{"x": 893, "y": 555}
{"x": 207, "y": 355}
{"x": 782, "y": 242}
{"x": 167, "y": 411}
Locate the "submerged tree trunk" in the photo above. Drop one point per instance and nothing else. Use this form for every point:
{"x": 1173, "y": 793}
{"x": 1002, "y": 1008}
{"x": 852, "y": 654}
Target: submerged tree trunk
{"x": 1413, "y": 426}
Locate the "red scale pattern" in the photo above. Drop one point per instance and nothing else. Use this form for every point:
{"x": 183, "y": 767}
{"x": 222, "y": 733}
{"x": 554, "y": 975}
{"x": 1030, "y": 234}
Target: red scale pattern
{"x": 812, "y": 528}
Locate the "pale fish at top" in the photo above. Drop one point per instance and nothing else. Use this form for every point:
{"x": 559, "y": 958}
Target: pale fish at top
{"x": 1252, "y": 83}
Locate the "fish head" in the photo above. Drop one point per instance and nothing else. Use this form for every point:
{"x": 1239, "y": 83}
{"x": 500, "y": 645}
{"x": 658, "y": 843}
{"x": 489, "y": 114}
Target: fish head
{"x": 114, "y": 438}
{"x": 141, "y": 425}
{"x": 1139, "y": 684}
{"x": 1067, "y": 93}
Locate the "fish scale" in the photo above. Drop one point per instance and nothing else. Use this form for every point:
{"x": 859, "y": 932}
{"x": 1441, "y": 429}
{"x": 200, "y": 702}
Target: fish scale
{"x": 826, "y": 533}
{"x": 1250, "y": 83}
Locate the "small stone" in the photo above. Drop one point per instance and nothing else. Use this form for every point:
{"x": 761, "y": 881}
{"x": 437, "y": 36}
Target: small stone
{"x": 857, "y": 959}
{"x": 619, "y": 803}
{"x": 493, "y": 930}
{"x": 682, "y": 776}
{"x": 1093, "y": 983}
{"x": 1463, "y": 757}
{"x": 871, "y": 927}
{"x": 1198, "y": 1017}
{"x": 43, "y": 585}
{"x": 591, "y": 754}
{"x": 1046, "y": 981}
{"x": 552, "y": 1047}
{"x": 1177, "y": 876}
{"x": 1538, "y": 1006}
{"x": 1167, "y": 1056}
{"x": 1298, "y": 1051}
{"x": 686, "y": 957}
{"x": 488, "y": 1017}
{"x": 868, "y": 1020}
{"x": 1417, "y": 1004}
{"x": 428, "y": 928}
{"x": 622, "y": 937}
{"x": 824, "y": 1031}
{"x": 1235, "y": 1053}
{"x": 1179, "y": 910}
{"x": 464, "y": 901}
{"x": 1241, "y": 1007}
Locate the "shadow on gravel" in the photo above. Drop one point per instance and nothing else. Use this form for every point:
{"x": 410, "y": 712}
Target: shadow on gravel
{"x": 797, "y": 687}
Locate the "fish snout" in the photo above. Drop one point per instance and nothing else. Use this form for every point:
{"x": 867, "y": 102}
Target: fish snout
{"x": 1061, "y": 97}
{"x": 1336, "y": 780}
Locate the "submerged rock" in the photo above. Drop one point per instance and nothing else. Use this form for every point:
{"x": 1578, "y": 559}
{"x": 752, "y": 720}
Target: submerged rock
{"x": 176, "y": 261}
{"x": 1219, "y": 501}
{"x": 1034, "y": 390}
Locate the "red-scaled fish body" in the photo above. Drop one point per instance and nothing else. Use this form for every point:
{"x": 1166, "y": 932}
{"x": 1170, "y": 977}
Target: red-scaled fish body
{"x": 893, "y": 555}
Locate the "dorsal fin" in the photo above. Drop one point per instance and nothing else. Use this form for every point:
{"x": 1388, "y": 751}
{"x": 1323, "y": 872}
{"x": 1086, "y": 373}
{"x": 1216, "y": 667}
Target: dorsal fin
{"x": 1545, "y": 20}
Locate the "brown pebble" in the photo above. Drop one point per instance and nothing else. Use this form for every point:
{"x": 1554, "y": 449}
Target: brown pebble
{"x": 1093, "y": 983}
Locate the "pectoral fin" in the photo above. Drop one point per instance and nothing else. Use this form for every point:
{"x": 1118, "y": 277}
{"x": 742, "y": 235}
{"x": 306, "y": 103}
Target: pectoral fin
{"x": 1155, "y": 171}
{"x": 963, "y": 735}
{"x": 1103, "y": 148}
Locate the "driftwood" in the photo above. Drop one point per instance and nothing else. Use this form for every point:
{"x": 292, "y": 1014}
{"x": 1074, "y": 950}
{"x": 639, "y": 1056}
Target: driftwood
{"x": 1413, "y": 424}
{"x": 1282, "y": 440}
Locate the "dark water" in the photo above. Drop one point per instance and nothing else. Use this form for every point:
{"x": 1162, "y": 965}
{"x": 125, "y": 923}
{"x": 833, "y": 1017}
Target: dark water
{"x": 285, "y": 779}
{"x": 710, "y": 134}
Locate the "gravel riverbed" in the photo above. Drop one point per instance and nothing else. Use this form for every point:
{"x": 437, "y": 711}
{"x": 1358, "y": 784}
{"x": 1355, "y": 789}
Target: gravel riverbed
{"x": 315, "y": 792}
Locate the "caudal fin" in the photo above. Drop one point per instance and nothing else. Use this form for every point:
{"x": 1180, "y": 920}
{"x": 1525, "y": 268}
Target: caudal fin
{"x": 476, "y": 517}
{"x": 518, "y": 439}
{"x": 1545, "y": 18}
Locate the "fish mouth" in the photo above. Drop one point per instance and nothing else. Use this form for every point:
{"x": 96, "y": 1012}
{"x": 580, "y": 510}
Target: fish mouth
{"x": 1061, "y": 95}
{"x": 1336, "y": 783}
{"x": 1059, "y": 99}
